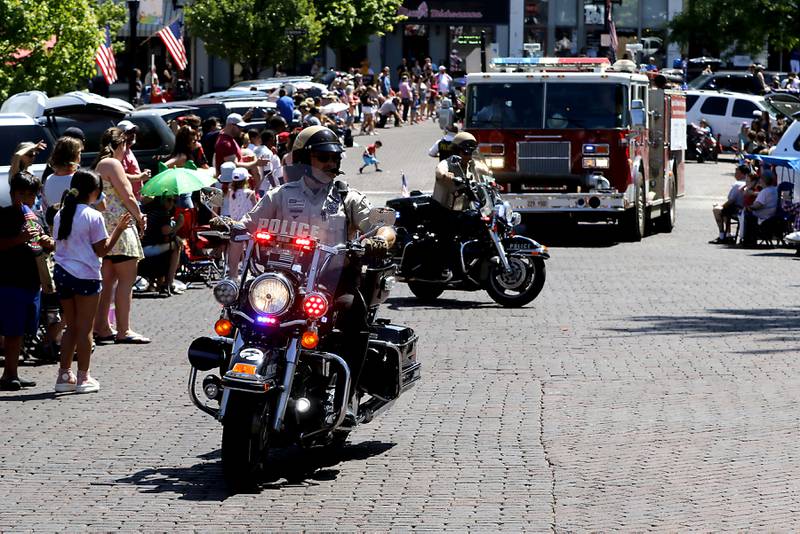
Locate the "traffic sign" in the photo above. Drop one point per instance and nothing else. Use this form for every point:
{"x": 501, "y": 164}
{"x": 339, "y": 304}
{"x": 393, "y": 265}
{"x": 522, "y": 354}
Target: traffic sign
{"x": 296, "y": 32}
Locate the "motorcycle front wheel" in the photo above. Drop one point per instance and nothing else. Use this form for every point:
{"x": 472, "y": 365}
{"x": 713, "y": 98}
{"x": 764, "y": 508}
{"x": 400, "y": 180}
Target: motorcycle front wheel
{"x": 520, "y": 286}
{"x": 244, "y": 442}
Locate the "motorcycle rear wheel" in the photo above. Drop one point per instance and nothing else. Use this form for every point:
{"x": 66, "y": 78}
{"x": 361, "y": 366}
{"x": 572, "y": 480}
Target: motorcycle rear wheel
{"x": 425, "y": 292}
{"x": 529, "y": 283}
{"x": 244, "y": 445}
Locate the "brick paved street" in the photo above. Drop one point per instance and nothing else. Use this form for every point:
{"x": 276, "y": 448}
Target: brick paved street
{"x": 651, "y": 386}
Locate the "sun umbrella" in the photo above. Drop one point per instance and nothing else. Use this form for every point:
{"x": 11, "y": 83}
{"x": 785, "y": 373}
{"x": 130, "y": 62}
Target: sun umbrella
{"x": 176, "y": 181}
{"x": 333, "y": 107}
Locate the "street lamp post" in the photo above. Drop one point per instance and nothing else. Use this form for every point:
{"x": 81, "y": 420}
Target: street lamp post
{"x": 133, "y": 11}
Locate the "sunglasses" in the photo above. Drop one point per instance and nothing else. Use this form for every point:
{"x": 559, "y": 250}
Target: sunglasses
{"x": 325, "y": 157}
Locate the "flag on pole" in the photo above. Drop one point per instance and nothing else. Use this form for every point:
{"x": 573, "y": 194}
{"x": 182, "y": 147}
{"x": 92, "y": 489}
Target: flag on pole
{"x": 172, "y": 35}
{"x": 404, "y": 185}
{"x": 105, "y": 59}
{"x": 612, "y": 32}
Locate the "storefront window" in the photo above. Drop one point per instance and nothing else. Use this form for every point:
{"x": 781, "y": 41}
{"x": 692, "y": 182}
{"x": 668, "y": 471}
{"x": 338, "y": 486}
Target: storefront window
{"x": 627, "y": 14}
{"x": 566, "y": 13}
{"x": 594, "y": 14}
{"x": 465, "y": 48}
{"x": 536, "y": 23}
{"x": 654, "y": 13}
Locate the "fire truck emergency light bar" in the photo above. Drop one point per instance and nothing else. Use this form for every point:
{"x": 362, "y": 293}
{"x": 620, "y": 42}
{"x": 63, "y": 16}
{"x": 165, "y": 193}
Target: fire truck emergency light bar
{"x": 580, "y": 63}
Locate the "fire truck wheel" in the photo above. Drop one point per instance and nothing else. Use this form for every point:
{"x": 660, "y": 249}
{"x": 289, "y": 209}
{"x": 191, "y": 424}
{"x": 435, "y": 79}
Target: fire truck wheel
{"x": 425, "y": 292}
{"x": 634, "y": 221}
{"x": 520, "y": 286}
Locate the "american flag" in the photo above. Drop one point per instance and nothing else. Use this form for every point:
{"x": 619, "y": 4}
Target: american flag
{"x": 172, "y": 35}
{"x": 404, "y": 185}
{"x": 105, "y": 59}
{"x": 612, "y": 31}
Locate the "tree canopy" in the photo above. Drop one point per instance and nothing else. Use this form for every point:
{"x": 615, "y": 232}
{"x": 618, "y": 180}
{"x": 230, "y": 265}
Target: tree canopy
{"x": 253, "y": 32}
{"x": 50, "y": 46}
{"x": 738, "y": 27}
{"x": 350, "y": 23}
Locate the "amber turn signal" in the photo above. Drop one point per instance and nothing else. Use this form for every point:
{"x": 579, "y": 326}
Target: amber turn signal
{"x": 309, "y": 340}
{"x": 223, "y": 327}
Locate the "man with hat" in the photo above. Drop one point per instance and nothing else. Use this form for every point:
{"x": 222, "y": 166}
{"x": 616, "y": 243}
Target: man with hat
{"x": 129, "y": 161}
{"x": 228, "y": 148}
{"x": 324, "y": 208}
{"x": 450, "y": 173}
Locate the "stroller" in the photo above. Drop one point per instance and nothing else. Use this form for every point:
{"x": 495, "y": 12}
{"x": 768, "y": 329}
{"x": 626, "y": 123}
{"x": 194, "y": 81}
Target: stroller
{"x": 203, "y": 255}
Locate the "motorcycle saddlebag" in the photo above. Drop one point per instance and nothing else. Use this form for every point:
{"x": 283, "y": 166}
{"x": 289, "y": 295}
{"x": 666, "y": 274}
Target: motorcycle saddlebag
{"x": 412, "y": 211}
{"x": 390, "y": 370}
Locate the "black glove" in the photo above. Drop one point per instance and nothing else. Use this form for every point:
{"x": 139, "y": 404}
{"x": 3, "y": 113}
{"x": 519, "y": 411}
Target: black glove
{"x": 220, "y": 224}
{"x": 376, "y": 247}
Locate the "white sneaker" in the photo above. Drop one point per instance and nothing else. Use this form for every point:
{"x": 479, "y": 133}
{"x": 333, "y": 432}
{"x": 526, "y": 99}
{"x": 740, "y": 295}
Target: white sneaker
{"x": 66, "y": 382}
{"x": 89, "y": 385}
{"x": 794, "y": 237}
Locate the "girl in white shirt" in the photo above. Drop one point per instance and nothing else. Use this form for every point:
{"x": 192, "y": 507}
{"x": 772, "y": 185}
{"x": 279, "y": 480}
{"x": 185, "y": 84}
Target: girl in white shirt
{"x": 81, "y": 240}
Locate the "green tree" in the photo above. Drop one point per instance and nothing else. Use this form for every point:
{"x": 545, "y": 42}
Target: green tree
{"x": 350, "y": 23}
{"x": 29, "y": 63}
{"x": 734, "y": 26}
{"x": 253, "y": 32}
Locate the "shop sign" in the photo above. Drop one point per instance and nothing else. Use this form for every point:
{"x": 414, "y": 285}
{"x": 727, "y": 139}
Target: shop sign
{"x": 455, "y": 11}
{"x": 468, "y": 40}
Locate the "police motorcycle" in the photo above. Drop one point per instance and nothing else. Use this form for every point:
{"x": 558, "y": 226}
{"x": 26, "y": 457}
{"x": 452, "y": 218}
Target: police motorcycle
{"x": 276, "y": 373}
{"x": 473, "y": 250}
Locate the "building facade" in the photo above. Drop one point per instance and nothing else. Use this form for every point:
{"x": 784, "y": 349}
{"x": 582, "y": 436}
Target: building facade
{"x": 449, "y": 31}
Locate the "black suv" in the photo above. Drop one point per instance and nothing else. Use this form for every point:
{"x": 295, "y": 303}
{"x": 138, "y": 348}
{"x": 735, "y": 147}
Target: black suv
{"x": 734, "y": 81}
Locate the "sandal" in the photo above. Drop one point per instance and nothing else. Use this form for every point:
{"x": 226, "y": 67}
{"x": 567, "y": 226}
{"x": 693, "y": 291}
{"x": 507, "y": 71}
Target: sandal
{"x": 110, "y": 338}
{"x": 132, "y": 339}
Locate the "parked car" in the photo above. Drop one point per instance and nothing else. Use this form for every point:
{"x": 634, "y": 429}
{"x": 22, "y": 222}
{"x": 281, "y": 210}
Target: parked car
{"x": 91, "y": 113}
{"x": 733, "y": 81}
{"x": 14, "y": 129}
{"x": 724, "y": 111}
{"x": 206, "y": 108}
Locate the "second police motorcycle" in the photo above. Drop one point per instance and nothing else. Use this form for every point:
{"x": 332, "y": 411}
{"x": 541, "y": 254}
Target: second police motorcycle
{"x": 284, "y": 368}
{"x": 473, "y": 248}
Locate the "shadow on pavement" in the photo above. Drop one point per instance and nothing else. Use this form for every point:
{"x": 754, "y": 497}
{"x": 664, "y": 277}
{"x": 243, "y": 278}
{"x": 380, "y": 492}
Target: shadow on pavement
{"x": 720, "y": 322}
{"x": 560, "y": 233}
{"x": 401, "y": 303}
{"x": 285, "y": 468}
{"x": 21, "y": 396}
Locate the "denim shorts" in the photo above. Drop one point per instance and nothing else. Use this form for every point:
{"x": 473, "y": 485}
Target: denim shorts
{"x": 19, "y": 314}
{"x": 67, "y": 286}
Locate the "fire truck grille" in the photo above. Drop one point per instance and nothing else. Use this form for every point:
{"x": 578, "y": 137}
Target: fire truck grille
{"x": 543, "y": 157}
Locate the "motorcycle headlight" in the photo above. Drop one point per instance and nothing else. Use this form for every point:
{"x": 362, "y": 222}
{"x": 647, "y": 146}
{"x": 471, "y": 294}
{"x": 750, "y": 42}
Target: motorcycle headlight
{"x": 226, "y": 292}
{"x": 271, "y": 294}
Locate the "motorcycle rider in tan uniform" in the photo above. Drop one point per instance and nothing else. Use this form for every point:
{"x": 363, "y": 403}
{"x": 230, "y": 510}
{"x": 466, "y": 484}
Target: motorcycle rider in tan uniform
{"x": 319, "y": 206}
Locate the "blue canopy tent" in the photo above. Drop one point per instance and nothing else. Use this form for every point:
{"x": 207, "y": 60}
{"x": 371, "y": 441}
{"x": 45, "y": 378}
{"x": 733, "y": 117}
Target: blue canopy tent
{"x": 786, "y": 169}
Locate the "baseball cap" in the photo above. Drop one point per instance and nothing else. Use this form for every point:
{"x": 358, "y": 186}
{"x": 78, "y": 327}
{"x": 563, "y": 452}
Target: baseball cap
{"x": 75, "y": 133}
{"x": 283, "y": 137}
{"x": 226, "y": 172}
{"x": 240, "y": 174}
{"x": 126, "y": 126}
{"x": 235, "y": 118}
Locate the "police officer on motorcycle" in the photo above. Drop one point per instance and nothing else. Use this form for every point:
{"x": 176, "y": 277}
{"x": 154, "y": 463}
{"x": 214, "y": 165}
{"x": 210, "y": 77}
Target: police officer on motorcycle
{"x": 332, "y": 213}
{"x": 451, "y": 173}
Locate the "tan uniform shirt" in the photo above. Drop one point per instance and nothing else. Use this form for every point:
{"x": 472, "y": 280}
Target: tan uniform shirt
{"x": 444, "y": 190}
{"x": 296, "y": 209}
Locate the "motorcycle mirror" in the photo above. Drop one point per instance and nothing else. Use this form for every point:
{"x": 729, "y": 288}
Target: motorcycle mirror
{"x": 382, "y": 216}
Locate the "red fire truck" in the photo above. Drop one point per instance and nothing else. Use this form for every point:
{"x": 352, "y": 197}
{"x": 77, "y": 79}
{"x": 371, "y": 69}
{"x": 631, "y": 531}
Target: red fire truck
{"x": 580, "y": 137}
